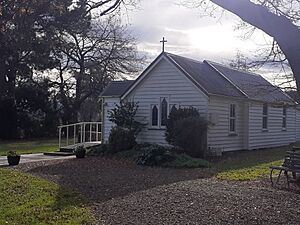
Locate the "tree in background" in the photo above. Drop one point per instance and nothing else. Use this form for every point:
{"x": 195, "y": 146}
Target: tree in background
{"x": 36, "y": 109}
{"x": 89, "y": 59}
{"x": 26, "y": 41}
{"x": 29, "y": 32}
{"x": 277, "y": 18}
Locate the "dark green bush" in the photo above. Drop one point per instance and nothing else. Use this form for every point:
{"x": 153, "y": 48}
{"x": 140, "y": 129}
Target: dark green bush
{"x": 121, "y": 139}
{"x": 190, "y": 134}
{"x": 12, "y": 153}
{"x": 123, "y": 115}
{"x": 176, "y": 115}
{"x": 154, "y": 155}
{"x": 99, "y": 150}
{"x": 80, "y": 151}
{"x": 186, "y": 161}
{"x": 187, "y": 130}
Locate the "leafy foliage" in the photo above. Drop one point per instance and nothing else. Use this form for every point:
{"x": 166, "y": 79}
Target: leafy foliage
{"x": 37, "y": 114}
{"x": 12, "y": 153}
{"x": 27, "y": 39}
{"x": 99, "y": 150}
{"x": 123, "y": 115}
{"x": 80, "y": 150}
{"x": 120, "y": 139}
{"x": 62, "y": 38}
{"x": 186, "y": 161}
{"x": 154, "y": 155}
{"x": 176, "y": 115}
{"x": 187, "y": 130}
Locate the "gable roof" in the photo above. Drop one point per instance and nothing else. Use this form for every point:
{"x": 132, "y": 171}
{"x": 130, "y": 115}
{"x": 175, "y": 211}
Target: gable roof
{"x": 212, "y": 79}
{"x": 116, "y": 88}
{"x": 206, "y": 76}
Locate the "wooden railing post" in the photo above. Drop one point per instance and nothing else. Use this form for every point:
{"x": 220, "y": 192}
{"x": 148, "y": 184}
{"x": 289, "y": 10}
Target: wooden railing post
{"x": 97, "y": 129}
{"x": 83, "y": 132}
{"x": 84, "y": 137}
{"x": 59, "y": 137}
{"x": 91, "y": 126}
{"x": 67, "y": 135}
{"x": 74, "y": 127}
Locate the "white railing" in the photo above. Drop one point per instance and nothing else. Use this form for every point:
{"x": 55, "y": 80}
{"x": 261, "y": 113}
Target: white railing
{"x": 84, "y": 132}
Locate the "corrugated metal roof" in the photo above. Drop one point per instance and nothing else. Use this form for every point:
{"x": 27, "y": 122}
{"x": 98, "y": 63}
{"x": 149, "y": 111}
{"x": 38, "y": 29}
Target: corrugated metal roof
{"x": 116, "y": 88}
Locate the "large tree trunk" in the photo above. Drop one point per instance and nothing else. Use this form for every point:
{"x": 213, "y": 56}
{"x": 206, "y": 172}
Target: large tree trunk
{"x": 280, "y": 28}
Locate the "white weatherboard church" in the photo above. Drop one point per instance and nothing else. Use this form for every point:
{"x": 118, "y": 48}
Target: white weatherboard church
{"x": 245, "y": 111}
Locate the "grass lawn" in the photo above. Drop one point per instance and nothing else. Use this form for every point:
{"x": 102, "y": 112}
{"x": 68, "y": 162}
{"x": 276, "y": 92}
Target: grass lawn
{"x": 248, "y": 165}
{"x": 25, "y": 199}
{"x": 26, "y": 147}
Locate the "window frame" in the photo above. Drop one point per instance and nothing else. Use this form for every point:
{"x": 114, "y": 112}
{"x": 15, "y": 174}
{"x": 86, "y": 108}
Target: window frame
{"x": 265, "y": 115}
{"x": 232, "y": 117}
{"x": 284, "y": 118}
{"x": 160, "y": 111}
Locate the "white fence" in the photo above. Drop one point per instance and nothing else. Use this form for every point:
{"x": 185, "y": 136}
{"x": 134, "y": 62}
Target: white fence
{"x": 85, "y": 132}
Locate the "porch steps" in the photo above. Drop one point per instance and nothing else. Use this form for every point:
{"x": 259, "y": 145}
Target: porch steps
{"x": 71, "y": 148}
{"x": 58, "y": 153}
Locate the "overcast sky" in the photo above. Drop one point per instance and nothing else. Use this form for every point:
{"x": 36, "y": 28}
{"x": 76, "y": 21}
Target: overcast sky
{"x": 187, "y": 33}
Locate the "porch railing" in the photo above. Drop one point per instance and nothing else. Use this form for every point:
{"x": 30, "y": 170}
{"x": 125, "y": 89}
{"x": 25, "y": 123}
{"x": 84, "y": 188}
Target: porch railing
{"x": 84, "y": 132}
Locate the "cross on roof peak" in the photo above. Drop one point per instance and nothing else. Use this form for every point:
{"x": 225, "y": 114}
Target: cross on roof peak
{"x": 163, "y": 41}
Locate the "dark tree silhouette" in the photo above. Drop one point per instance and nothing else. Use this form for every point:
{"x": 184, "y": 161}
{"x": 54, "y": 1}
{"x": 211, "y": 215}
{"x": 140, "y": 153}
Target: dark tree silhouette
{"x": 29, "y": 30}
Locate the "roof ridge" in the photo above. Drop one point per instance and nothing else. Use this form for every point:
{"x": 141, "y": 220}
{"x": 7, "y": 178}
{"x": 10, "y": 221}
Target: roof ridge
{"x": 232, "y": 68}
{"x": 193, "y": 60}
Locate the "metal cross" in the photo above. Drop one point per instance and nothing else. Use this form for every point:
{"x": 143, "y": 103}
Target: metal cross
{"x": 163, "y": 44}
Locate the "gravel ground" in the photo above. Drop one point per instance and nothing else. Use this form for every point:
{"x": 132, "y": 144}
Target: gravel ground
{"x": 122, "y": 193}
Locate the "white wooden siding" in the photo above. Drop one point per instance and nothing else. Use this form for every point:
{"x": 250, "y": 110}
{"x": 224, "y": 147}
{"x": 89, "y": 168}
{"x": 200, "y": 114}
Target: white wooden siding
{"x": 275, "y": 136}
{"x": 165, "y": 80}
{"x": 109, "y": 103}
{"x": 218, "y": 133}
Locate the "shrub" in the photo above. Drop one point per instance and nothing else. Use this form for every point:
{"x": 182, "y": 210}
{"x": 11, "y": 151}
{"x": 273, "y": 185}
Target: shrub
{"x": 190, "y": 134}
{"x": 131, "y": 154}
{"x": 121, "y": 139}
{"x": 124, "y": 116}
{"x": 12, "y": 153}
{"x": 80, "y": 151}
{"x": 154, "y": 155}
{"x": 187, "y": 130}
{"x": 186, "y": 161}
{"x": 99, "y": 150}
{"x": 176, "y": 115}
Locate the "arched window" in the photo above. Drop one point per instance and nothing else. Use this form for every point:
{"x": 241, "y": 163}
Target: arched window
{"x": 164, "y": 112}
{"x": 154, "y": 116}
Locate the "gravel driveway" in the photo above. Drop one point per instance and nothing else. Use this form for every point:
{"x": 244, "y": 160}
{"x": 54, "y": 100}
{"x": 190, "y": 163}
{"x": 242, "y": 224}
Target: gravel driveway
{"x": 122, "y": 193}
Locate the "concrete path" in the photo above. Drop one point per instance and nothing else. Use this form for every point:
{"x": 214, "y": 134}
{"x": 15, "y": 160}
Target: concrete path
{"x": 33, "y": 158}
